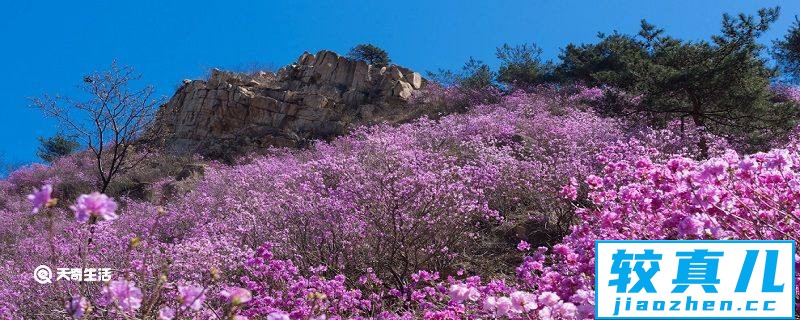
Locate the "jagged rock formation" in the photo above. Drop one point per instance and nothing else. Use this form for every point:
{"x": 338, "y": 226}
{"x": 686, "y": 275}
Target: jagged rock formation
{"x": 317, "y": 97}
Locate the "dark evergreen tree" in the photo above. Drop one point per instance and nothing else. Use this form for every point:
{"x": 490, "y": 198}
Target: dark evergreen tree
{"x": 522, "y": 65}
{"x": 721, "y": 84}
{"x": 56, "y": 147}
{"x": 787, "y": 51}
{"x": 474, "y": 74}
{"x": 370, "y": 54}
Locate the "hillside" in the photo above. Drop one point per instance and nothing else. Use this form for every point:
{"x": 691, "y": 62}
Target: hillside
{"x": 431, "y": 218}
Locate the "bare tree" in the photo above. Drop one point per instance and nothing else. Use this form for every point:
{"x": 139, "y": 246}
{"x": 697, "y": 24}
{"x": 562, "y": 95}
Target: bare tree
{"x": 108, "y": 120}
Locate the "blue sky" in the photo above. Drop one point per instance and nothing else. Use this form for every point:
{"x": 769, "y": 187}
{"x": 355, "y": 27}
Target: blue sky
{"x": 49, "y": 45}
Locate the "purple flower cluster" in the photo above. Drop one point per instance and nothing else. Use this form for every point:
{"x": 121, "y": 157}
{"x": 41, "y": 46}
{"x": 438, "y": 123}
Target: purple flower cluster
{"x": 41, "y": 197}
{"x": 728, "y": 197}
{"x": 124, "y": 294}
{"x": 94, "y": 205}
{"x": 785, "y": 92}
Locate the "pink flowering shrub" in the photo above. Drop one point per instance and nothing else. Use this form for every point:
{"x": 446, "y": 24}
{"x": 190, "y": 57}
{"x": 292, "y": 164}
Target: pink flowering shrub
{"x": 727, "y": 197}
{"x": 279, "y": 290}
{"x": 72, "y": 174}
{"x": 786, "y": 93}
{"x": 454, "y": 98}
{"x": 400, "y": 199}
{"x": 383, "y": 201}
{"x": 681, "y": 138}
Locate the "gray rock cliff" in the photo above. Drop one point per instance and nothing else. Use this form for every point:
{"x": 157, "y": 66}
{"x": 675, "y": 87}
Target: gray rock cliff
{"x": 319, "y": 96}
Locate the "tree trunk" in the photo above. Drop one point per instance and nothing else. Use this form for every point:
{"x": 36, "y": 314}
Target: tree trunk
{"x": 697, "y": 117}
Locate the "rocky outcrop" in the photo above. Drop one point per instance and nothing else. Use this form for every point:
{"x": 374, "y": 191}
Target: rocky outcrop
{"x": 317, "y": 97}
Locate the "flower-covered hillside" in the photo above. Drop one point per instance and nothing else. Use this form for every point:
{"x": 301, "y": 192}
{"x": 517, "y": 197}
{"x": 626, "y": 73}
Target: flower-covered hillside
{"x": 489, "y": 213}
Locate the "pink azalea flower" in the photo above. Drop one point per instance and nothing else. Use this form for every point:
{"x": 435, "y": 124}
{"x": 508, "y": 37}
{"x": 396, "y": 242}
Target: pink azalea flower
{"x": 570, "y": 191}
{"x": 125, "y": 294}
{"x": 458, "y": 293}
{"x": 236, "y": 295}
{"x": 549, "y": 299}
{"x": 166, "y": 313}
{"x": 566, "y": 310}
{"x": 489, "y": 304}
{"x": 503, "y": 306}
{"x": 473, "y": 294}
{"x": 76, "y": 307}
{"x": 522, "y": 301}
{"x": 690, "y": 226}
{"x": 191, "y": 296}
{"x": 94, "y": 204}
{"x": 523, "y": 246}
{"x": 546, "y": 313}
{"x": 278, "y": 316}
{"x": 41, "y": 197}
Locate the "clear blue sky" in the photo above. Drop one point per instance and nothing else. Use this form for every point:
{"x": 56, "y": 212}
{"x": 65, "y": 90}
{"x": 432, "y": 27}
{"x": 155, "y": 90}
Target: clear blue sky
{"x": 49, "y": 45}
